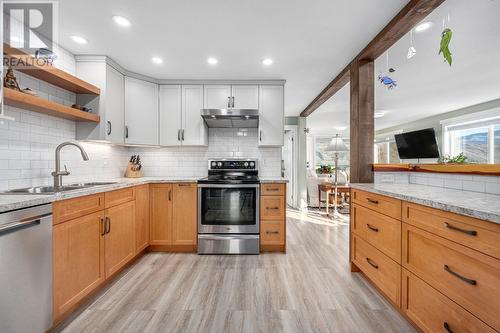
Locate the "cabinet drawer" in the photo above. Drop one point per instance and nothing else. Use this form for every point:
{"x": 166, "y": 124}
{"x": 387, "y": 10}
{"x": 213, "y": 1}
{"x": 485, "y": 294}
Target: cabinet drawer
{"x": 434, "y": 312}
{"x": 379, "y": 230}
{"x": 476, "y": 234}
{"x": 382, "y": 204}
{"x": 272, "y": 189}
{"x": 72, "y": 208}
{"x": 272, "y": 233}
{"x": 272, "y": 208}
{"x": 468, "y": 277}
{"x": 379, "y": 268}
{"x": 118, "y": 197}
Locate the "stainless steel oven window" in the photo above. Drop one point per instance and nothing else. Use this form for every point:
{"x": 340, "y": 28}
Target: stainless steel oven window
{"x": 228, "y": 208}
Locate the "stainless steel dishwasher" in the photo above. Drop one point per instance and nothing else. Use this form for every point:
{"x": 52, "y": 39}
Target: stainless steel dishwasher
{"x": 26, "y": 270}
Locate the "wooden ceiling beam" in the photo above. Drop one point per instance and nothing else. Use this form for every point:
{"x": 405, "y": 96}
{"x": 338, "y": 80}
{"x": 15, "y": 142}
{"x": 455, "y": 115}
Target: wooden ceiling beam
{"x": 414, "y": 12}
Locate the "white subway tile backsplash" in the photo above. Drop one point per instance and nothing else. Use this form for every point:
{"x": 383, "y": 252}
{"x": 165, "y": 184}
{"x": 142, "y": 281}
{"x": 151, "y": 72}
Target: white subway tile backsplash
{"x": 474, "y": 183}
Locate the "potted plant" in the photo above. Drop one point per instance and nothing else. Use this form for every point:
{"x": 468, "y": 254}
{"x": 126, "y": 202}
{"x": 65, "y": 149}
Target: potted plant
{"x": 325, "y": 170}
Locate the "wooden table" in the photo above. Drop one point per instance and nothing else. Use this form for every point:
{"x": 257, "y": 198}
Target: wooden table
{"x": 329, "y": 189}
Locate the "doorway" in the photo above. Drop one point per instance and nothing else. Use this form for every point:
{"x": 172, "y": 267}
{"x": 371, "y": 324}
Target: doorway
{"x": 289, "y": 164}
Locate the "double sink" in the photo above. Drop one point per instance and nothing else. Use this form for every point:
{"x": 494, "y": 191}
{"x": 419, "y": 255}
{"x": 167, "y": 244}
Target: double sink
{"x": 53, "y": 190}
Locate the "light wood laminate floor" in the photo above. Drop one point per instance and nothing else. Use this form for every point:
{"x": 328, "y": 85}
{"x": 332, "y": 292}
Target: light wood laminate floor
{"x": 309, "y": 289}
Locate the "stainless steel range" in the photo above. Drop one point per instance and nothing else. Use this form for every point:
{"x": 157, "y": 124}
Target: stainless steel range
{"x": 228, "y": 208}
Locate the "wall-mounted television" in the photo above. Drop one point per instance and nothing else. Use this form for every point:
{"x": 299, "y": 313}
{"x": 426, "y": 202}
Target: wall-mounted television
{"x": 417, "y": 144}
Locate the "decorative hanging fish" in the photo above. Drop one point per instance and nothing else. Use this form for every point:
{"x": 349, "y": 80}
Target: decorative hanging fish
{"x": 387, "y": 81}
{"x": 445, "y": 44}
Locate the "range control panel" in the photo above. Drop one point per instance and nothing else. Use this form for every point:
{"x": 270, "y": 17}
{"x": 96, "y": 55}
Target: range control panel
{"x": 246, "y": 164}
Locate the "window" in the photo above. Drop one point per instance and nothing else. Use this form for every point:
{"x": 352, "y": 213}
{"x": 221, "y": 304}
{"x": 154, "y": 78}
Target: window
{"x": 477, "y": 137}
{"x": 386, "y": 152}
{"x": 324, "y": 157}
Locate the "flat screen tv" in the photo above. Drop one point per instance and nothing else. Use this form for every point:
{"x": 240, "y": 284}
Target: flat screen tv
{"x": 417, "y": 144}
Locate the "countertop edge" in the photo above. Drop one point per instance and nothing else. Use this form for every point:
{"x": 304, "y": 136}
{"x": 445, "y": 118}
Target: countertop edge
{"x": 30, "y": 200}
{"x": 453, "y": 208}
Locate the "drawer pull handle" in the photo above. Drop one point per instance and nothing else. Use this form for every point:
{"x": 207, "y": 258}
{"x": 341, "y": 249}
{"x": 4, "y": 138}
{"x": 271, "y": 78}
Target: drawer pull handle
{"x": 371, "y": 262}
{"x": 447, "y": 327}
{"x": 271, "y": 189}
{"x": 274, "y": 208}
{"x": 468, "y": 232}
{"x": 463, "y": 278}
{"x": 369, "y": 226}
{"x": 272, "y": 232}
{"x": 375, "y": 202}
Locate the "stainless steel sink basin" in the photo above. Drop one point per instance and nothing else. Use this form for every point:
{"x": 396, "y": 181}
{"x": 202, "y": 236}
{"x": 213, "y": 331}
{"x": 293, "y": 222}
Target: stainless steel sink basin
{"x": 41, "y": 190}
{"x": 52, "y": 190}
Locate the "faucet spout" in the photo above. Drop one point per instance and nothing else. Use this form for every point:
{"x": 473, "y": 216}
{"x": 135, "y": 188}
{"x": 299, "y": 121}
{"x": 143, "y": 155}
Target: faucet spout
{"x": 57, "y": 174}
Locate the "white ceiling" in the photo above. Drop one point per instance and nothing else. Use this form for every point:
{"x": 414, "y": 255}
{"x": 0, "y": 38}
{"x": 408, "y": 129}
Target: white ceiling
{"x": 310, "y": 41}
{"x": 426, "y": 85}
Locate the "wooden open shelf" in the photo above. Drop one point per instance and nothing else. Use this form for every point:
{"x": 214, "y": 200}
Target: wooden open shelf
{"x": 48, "y": 74}
{"x": 474, "y": 169}
{"x": 37, "y": 104}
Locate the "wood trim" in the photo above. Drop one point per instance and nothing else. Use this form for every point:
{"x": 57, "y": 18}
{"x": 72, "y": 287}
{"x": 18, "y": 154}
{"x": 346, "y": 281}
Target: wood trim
{"x": 47, "y": 73}
{"x": 331, "y": 89}
{"x": 273, "y": 248}
{"x": 468, "y": 169}
{"x": 173, "y": 248}
{"x": 414, "y": 12}
{"x": 37, "y": 104}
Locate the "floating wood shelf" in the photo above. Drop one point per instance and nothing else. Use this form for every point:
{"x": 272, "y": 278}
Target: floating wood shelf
{"x": 50, "y": 74}
{"x": 474, "y": 169}
{"x": 37, "y": 104}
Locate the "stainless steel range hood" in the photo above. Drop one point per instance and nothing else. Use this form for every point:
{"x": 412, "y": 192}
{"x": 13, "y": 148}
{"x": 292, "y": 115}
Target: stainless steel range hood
{"x": 228, "y": 118}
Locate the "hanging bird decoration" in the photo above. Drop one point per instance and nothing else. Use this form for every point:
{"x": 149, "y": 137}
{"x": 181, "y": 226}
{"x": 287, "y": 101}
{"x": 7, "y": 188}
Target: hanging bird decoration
{"x": 444, "y": 46}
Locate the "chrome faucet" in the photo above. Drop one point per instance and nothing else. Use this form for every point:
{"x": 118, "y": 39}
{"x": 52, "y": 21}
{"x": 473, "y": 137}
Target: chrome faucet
{"x": 57, "y": 174}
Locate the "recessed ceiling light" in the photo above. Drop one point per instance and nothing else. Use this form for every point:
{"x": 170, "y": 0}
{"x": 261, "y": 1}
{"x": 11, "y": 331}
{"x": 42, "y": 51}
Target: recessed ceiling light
{"x": 79, "y": 40}
{"x": 212, "y": 61}
{"x": 267, "y": 62}
{"x": 378, "y": 115}
{"x": 121, "y": 21}
{"x": 157, "y": 60}
{"x": 423, "y": 26}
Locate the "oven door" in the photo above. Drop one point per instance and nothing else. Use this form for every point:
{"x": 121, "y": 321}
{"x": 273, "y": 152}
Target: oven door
{"x": 228, "y": 208}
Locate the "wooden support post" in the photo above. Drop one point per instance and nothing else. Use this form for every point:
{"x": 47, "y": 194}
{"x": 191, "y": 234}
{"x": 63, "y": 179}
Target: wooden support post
{"x": 362, "y": 131}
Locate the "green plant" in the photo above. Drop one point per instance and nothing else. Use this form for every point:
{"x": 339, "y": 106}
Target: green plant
{"x": 459, "y": 159}
{"x": 325, "y": 169}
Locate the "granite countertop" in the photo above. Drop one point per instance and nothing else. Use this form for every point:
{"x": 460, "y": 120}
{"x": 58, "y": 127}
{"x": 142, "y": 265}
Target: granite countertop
{"x": 272, "y": 180}
{"x": 474, "y": 204}
{"x": 17, "y": 201}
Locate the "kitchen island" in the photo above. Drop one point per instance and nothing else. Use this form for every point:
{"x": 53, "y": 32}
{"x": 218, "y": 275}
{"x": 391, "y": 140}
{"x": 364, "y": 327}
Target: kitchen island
{"x": 434, "y": 253}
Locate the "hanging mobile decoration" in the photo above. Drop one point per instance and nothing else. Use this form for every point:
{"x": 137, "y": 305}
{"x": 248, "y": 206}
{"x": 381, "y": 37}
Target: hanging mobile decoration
{"x": 411, "y": 50}
{"x": 386, "y": 80}
{"x": 444, "y": 46}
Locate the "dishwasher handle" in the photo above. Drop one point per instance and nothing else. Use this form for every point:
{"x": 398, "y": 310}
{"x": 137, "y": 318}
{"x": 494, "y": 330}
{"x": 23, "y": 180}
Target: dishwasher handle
{"x": 11, "y": 227}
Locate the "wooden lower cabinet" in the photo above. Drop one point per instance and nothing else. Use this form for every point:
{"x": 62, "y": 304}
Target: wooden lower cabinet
{"x": 184, "y": 214}
{"x": 119, "y": 240}
{"x": 449, "y": 271}
{"x": 379, "y": 268}
{"x": 78, "y": 259}
{"x": 141, "y": 218}
{"x": 273, "y": 217}
{"x": 173, "y": 225}
{"x": 434, "y": 312}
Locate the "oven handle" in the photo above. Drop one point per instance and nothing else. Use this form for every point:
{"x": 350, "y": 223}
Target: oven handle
{"x": 228, "y": 185}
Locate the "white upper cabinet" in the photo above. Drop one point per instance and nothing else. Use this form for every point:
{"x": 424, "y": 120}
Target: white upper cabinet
{"x": 141, "y": 112}
{"x": 194, "y": 131}
{"x": 271, "y": 116}
{"x": 114, "y": 105}
{"x": 244, "y": 97}
{"x": 170, "y": 115}
{"x": 109, "y": 104}
{"x": 217, "y": 97}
